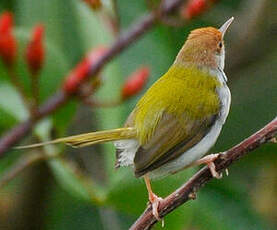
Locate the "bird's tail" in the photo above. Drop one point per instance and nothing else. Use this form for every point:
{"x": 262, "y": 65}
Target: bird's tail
{"x": 87, "y": 139}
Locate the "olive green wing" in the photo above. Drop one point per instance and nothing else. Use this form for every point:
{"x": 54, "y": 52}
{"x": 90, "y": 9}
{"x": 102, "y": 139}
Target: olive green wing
{"x": 172, "y": 137}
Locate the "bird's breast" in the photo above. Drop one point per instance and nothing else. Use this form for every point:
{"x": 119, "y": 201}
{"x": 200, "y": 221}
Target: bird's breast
{"x": 224, "y": 95}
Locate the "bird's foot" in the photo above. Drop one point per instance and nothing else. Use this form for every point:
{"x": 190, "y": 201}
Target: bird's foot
{"x": 155, "y": 201}
{"x": 209, "y": 161}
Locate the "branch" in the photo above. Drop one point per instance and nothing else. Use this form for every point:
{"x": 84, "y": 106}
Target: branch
{"x": 189, "y": 189}
{"x": 60, "y": 98}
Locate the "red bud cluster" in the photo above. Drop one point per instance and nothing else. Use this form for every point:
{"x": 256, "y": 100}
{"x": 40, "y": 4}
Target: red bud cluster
{"x": 35, "y": 50}
{"x": 81, "y": 72}
{"x": 135, "y": 82}
{"x": 7, "y": 40}
{"x": 194, "y": 8}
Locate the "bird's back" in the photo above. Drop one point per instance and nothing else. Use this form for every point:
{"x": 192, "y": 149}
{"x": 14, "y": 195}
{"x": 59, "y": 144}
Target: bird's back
{"x": 186, "y": 92}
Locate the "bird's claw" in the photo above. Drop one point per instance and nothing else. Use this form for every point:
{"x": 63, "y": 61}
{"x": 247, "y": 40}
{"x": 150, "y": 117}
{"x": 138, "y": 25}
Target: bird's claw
{"x": 209, "y": 160}
{"x": 213, "y": 171}
{"x": 155, "y": 201}
{"x": 227, "y": 172}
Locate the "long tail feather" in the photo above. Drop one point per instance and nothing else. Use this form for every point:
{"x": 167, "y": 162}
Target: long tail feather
{"x": 87, "y": 139}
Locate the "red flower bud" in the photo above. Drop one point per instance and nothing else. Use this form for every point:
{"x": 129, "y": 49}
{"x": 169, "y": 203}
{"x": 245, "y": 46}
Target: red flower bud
{"x": 194, "y": 8}
{"x": 7, "y": 40}
{"x": 135, "y": 82}
{"x": 75, "y": 77}
{"x": 94, "y": 4}
{"x": 35, "y": 50}
{"x": 6, "y": 22}
{"x": 81, "y": 72}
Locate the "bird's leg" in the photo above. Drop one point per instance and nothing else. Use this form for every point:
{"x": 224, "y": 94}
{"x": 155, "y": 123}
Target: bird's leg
{"x": 209, "y": 161}
{"x": 153, "y": 198}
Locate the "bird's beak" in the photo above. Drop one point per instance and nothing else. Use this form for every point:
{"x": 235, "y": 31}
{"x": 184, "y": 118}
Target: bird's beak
{"x": 225, "y": 26}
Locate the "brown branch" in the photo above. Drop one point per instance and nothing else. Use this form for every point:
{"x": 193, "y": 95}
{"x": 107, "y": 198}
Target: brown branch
{"x": 60, "y": 98}
{"x": 187, "y": 191}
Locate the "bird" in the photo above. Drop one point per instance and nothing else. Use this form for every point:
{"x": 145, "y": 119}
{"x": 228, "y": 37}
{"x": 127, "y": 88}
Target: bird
{"x": 177, "y": 120}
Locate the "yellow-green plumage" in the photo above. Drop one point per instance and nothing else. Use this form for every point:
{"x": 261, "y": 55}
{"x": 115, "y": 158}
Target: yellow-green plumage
{"x": 181, "y": 91}
{"x": 179, "y": 108}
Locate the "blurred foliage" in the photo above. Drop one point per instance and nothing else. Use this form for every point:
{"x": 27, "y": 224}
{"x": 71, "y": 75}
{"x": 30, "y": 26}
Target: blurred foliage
{"x": 84, "y": 191}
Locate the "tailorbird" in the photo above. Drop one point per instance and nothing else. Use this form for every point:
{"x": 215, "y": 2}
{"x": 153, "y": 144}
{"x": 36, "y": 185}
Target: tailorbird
{"x": 178, "y": 119}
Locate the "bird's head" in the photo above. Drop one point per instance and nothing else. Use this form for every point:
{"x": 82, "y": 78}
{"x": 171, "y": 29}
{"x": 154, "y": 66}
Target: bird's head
{"x": 204, "y": 47}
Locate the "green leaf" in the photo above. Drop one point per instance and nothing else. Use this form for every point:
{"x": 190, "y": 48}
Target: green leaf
{"x": 6, "y": 120}
{"x": 76, "y": 184}
{"x": 11, "y": 102}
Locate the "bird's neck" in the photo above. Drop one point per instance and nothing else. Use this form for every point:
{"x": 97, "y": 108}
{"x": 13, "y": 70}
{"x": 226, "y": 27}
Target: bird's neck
{"x": 191, "y": 71}
{"x": 195, "y": 56}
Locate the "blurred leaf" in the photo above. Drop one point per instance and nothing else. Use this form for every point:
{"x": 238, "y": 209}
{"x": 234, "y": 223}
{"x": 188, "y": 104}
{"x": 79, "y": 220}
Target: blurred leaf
{"x": 69, "y": 179}
{"x": 6, "y": 5}
{"x": 63, "y": 116}
{"x": 67, "y": 212}
{"x": 91, "y": 29}
{"x": 6, "y": 120}
{"x": 11, "y": 111}
{"x": 11, "y": 102}
{"x": 67, "y": 174}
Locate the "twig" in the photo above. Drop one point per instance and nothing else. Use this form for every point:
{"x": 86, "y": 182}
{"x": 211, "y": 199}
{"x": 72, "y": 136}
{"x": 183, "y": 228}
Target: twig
{"x": 60, "y": 98}
{"x": 189, "y": 189}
